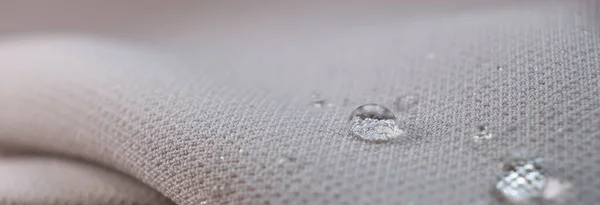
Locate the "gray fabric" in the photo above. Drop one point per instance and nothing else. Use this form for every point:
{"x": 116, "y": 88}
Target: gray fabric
{"x": 230, "y": 119}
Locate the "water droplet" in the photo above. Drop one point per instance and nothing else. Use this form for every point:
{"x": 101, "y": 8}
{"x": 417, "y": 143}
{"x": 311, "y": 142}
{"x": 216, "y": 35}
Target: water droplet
{"x": 523, "y": 180}
{"x": 322, "y": 103}
{"x": 482, "y": 133}
{"x": 406, "y": 103}
{"x": 499, "y": 68}
{"x": 374, "y": 122}
{"x": 319, "y": 101}
{"x": 204, "y": 202}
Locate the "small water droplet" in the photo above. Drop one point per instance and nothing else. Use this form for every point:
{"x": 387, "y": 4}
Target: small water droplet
{"x": 319, "y": 101}
{"x": 204, "y": 202}
{"x": 499, "y": 68}
{"x": 482, "y": 133}
{"x": 406, "y": 103}
{"x": 373, "y": 122}
{"x": 322, "y": 103}
{"x": 523, "y": 180}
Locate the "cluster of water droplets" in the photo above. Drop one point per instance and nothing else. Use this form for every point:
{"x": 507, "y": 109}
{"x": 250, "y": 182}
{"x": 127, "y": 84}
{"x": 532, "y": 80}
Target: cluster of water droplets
{"x": 522, "y": 181}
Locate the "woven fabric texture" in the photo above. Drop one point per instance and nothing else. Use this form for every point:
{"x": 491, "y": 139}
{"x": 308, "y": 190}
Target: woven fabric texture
{"x": 232, "y": 120}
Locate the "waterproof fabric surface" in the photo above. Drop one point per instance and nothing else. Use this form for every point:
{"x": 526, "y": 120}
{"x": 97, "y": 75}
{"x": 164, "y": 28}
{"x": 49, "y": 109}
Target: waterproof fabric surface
{"x": 259, "y": 114}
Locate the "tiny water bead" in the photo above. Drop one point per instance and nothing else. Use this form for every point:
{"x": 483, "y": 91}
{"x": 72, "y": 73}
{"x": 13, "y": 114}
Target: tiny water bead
{"x": 319, "y": 101}
{"x": 522, "y": 181}
{"x": 482, "y": 133}
{"x": 373, "y": 122}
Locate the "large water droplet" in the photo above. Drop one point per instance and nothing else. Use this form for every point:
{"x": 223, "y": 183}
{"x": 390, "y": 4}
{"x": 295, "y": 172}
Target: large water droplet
{"x": 523, "y": 180}
{"x": 374, "y": 122}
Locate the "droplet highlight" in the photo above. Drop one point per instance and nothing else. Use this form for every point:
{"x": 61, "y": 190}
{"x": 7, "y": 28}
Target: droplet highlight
{"x": 373, "y": 122}
{"x": 522, "y": 181}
